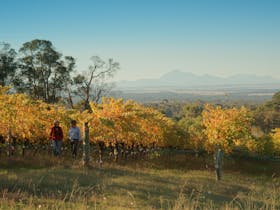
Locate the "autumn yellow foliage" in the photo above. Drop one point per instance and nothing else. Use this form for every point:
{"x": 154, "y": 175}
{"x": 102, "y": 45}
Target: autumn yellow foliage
{"x": 275, "y": 135}
{"x": 226, "y": 128}
{"x": 112, "y": 120}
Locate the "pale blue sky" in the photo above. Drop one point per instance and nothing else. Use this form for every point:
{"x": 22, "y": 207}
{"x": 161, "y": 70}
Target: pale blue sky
{"x": 152, "y": 37}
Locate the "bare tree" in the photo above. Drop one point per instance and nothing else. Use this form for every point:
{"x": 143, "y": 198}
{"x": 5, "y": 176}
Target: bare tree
{"x": 91, "y": 86}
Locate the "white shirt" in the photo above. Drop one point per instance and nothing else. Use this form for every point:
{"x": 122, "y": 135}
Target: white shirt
{"x": 74, "y": 133}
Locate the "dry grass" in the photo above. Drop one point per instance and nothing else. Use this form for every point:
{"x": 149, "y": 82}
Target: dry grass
{"x": 45, "y": 183}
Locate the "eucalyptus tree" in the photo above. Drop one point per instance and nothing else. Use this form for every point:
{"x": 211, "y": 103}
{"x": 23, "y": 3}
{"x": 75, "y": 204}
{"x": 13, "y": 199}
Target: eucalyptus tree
{"x": 8, "y": 64}
{"x": 91, "y": 86}
{"x": 61, "y": 81}
{"x": 43, "y": 72}
{"x": 267, "y": 116}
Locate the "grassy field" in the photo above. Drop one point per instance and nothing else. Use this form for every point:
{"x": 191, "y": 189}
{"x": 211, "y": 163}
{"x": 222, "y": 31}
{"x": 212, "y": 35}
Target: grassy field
{"x": 170, "y": 181}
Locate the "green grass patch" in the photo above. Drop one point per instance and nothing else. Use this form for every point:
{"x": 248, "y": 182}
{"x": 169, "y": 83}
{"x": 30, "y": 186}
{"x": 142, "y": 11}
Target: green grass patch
{"x": 143, "y": 184}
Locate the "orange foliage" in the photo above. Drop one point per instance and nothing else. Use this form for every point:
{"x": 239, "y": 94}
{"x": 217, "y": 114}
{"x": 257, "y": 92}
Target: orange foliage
{"x": 226, "y": 127}
{"x": 275, "y": 135}
{"x": 127, "y": 122}
{"x": 112, "y": 120}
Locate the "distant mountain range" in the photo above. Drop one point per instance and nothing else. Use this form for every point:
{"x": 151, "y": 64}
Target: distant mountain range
{"x": 182, "y": 79}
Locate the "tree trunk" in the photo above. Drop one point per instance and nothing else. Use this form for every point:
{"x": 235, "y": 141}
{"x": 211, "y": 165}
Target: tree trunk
{"x": 70, "y": 100}
{"x": 10, "y": 143}
{"x": 86, "y": 146}
{"x": 100, "y": 151}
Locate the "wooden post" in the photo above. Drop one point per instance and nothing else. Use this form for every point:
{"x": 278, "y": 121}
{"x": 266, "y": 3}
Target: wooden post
{"x": 86, "y": 146}
{"x": 218, "y": 158}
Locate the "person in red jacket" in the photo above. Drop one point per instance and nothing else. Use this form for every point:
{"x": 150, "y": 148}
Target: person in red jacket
{"x": 56, "y": 136}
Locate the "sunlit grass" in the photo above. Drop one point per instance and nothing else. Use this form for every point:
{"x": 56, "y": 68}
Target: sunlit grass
{"x": 64, "y": 184}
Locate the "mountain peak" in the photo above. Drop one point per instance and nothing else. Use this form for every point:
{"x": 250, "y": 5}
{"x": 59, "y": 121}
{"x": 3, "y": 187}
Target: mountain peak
{"x": 176, "y": 73}
{"x": 178, "y": 78}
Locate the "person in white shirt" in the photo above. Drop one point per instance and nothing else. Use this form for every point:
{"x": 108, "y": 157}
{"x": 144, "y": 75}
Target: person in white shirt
{"x": 74, "y": 137}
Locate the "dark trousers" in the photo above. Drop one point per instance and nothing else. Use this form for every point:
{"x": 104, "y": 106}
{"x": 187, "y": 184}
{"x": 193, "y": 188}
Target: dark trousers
{"x": 74, "y": 147}
{"x": 57, "y": 147}
{"x": 218, "y": 173}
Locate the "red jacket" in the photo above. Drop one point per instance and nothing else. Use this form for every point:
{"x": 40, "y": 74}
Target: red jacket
{"x": 56, "y": 133}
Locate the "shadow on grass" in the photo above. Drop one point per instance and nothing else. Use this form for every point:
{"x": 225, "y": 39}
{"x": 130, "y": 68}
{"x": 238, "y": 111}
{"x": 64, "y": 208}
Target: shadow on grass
{"x": 111, "y": 180}
{"x": 155, "y": 183}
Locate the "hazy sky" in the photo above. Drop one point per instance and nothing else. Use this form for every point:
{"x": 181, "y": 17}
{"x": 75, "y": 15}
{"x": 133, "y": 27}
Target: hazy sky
{"x": 152, "y": 37}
